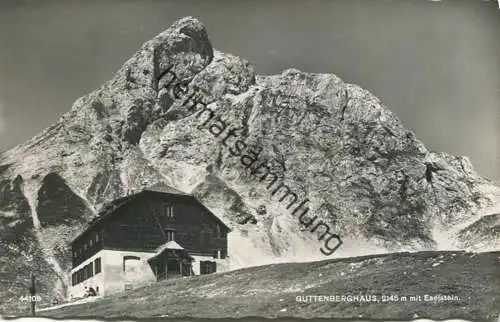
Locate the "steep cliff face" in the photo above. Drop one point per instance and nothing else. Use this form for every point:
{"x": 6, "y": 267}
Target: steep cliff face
{"x": 364, "y": 174}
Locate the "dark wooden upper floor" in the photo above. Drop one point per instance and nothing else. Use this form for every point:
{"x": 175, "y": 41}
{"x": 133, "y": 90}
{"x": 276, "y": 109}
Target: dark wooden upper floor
{"x": 146, "y": 220}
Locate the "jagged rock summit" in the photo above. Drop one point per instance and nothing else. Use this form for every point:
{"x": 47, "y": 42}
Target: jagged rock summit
{"x": 334, "y": 143}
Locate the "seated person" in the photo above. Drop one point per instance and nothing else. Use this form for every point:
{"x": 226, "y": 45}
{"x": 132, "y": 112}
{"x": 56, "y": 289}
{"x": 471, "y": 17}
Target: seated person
{"x": 92, "y": 292}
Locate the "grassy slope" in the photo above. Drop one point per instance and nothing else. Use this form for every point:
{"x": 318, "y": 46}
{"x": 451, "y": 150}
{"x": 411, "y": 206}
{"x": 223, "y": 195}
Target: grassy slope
{"x": 265, "y": 290}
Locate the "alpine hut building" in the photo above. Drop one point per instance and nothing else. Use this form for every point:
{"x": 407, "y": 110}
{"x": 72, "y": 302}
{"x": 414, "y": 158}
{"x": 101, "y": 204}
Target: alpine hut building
{"x": 155, "y": 234}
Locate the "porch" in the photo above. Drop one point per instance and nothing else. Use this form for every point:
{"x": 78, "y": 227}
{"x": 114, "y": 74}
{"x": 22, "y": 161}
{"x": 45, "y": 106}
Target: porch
{"x": 171, "y": 261}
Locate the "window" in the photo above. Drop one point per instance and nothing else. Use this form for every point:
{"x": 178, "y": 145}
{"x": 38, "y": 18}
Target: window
{"x": 170, "y": 234}
{"x": 73, "y": 279}
{"x": 205, "y": 238}
{"x": 97, "y": 238}
{"x": 217, "y": 231}
{"x": 85, "y": 246}
{"x": 169, "y": 210}
{"x": 74, "y": 254}
{"x": 97, "y": 265}
{"x": 91, "y": 242}
{"x": 90, "y": 269}
{"x": 207, "y": 267}
{"x": 131, "y": 263}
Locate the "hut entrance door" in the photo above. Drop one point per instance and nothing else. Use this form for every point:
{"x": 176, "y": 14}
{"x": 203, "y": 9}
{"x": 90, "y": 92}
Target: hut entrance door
{"x": 173, "y": 268}
{"x": 161, "y": 274}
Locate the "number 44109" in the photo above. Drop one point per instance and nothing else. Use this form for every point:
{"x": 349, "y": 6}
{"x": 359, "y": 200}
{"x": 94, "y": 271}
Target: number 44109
{"x": 30, "y": 298}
